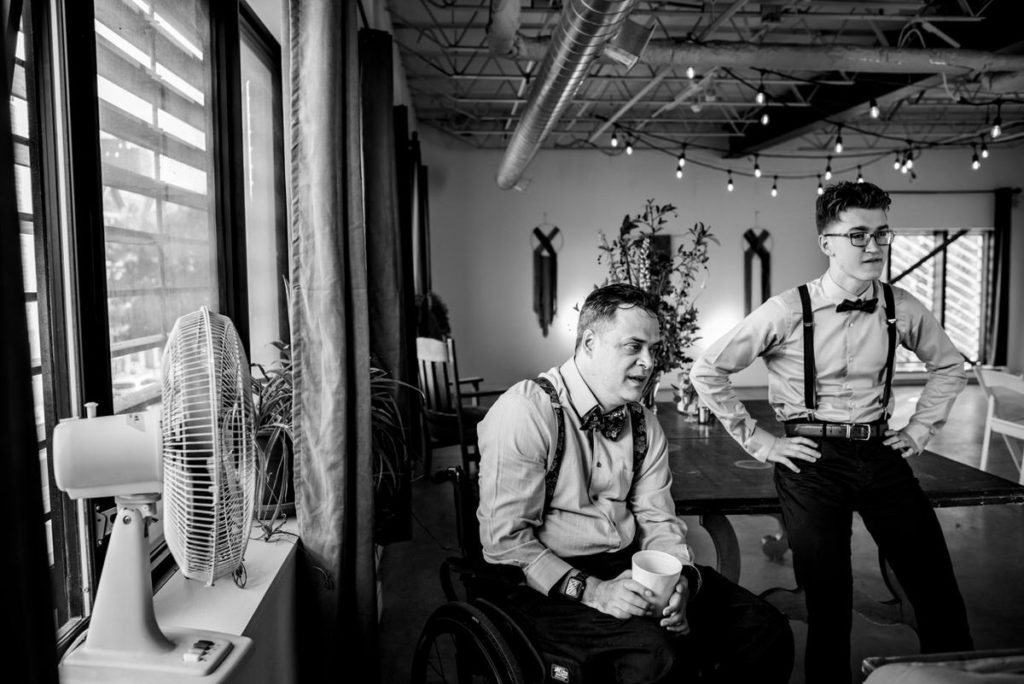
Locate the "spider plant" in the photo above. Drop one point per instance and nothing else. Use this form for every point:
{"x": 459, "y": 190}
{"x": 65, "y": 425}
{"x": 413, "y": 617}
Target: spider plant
{"x": 272, "y": 399}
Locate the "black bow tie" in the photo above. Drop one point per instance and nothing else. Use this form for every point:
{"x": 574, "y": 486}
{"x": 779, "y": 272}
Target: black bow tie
{"x": 610, "y": 424}
{"x": 867, "y": 305}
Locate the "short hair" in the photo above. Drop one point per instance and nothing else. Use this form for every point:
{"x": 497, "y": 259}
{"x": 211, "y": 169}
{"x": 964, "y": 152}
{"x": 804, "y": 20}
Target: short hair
{"x": 844, "y": 195}
{"x": 603, "y": 303}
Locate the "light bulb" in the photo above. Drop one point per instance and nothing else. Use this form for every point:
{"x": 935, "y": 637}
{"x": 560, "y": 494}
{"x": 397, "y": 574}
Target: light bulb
{"x": 764, "y": 119}
{"x": 757, "y": 169}
{"x": 975, "y": 164}
{"x": 759, "y": 97}
{"x": 860, "y": 176}
{"x": 874, "y": 111}
{"x": 682, "y": 159}
{"x": 775, "y": 187}
{"x": 629, "y": 148}
{"x": 821, "y": 190}
{"x": 729, "y": 185}
{"x": 839, "y": 144}
{"x": 910, "y": 161}
{"x": 904, "y": 169}
{"x": 615, "y": 140}
{"x": 896, "y": 164}
{"x": 828, "y": 169}
{"x": 679, "y": 173}
{"x": 690, "y": 72}
{"x": 984, "y": 150}
{"x": 997, "y": 127}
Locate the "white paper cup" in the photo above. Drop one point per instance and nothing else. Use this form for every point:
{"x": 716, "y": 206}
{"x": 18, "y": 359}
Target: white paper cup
{"x": 659, "y": 572}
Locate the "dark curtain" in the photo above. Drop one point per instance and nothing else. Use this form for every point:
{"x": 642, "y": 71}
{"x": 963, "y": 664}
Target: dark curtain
{"x": 390, "y": 300}
{"x": 331, "y": 350}
{"x": 998, "y": 318}
{"x": 26, "y": 572}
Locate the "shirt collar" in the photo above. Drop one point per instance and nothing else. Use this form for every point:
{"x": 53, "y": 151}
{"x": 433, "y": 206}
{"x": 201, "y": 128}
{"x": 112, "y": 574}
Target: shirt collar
{"x": 835, "y": 294}
{"x": 580, "y": 396}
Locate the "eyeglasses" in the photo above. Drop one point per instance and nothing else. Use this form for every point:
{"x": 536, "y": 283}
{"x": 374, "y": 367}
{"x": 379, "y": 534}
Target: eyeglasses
{"x": 882, "y": 238}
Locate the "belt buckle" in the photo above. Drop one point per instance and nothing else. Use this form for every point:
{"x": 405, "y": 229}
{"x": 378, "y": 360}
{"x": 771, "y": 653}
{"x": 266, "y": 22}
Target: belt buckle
{"x": 858, "y": 432}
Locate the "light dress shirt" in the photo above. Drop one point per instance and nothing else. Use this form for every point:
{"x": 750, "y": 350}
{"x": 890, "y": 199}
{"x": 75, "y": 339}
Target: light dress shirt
{"x": 594, "y": 509}
{"x": 850, "y": 349}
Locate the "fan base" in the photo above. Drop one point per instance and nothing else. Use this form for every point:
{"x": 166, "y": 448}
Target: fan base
{"x": 214, "y": 656}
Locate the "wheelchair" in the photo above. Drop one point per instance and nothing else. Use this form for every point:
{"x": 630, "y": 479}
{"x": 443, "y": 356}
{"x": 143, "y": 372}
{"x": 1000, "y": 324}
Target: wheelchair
{"x": 471, "y": 638}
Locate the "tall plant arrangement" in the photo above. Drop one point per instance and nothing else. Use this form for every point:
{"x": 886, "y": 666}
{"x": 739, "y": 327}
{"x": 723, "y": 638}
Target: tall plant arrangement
{"x": 676, "y": 277}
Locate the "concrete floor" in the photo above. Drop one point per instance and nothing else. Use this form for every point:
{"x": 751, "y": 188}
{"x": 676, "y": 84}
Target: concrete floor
{"x": 986, "y": 543}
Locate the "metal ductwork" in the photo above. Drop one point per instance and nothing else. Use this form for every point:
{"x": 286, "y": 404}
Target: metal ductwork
{"x": 585, "y": 27}
{"x": 804, "y": 57}
{"x": 503, "y": 28}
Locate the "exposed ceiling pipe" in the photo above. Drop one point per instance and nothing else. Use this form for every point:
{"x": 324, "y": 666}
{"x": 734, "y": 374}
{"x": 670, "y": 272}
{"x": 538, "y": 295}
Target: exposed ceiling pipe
{"x": 805, "y": 57}
{"x": 584, "y": 28}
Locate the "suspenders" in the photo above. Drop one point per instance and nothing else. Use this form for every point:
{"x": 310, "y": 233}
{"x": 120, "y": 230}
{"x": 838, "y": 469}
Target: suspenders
{"x": 810, "y": 374}
{"x": 638, "y": 425}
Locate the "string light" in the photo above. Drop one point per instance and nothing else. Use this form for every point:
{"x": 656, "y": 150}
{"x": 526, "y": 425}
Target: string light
{"x": 775, "y": 186}
{"x": 757, "y": 168}
{"x": 821, "y": 190}
{"x": 874, "y": 110}
{"x": 828, "y": 168}
{"x": 975, "y": 164}
{"x": 984, "y": 149}
{"x": 615, "y": 139}
{"x": 910, "y": 156}
{"x": 839, "y": 140}
{"x": 997, "y": 124}
{"x": 897, "y": 163}
{"x": 690, "y": 73}
{"x": 679, "y": 173}
{"x": 729, "y": 184}
{"x": 860, "y": 176}
{"x": 759, "y": 97}
{"x": 764, "y": 118}
{"x": 682, "y": 157}
{"x": 629, "y": 146}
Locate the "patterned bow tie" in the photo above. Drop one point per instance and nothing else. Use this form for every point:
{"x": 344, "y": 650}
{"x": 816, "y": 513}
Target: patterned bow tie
{"x": 610, "y": 424}
{"x": 866, "y": 305}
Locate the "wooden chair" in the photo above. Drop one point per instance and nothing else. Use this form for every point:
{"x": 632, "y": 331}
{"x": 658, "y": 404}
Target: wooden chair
{"x": 1005, "y": 394}
{"x": 447, "y": 417}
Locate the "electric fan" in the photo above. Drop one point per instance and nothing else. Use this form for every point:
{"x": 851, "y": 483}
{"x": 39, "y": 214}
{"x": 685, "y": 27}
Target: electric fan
{"x": 199, "y": 450}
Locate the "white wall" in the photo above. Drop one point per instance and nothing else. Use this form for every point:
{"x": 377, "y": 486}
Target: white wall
{"x": 482, "y": 258}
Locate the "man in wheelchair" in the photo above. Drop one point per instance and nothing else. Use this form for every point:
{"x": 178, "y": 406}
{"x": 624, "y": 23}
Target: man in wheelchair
{"x": 574, "y": 478}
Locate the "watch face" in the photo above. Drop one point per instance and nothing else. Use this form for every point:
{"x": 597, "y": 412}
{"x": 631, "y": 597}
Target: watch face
{"x": 574, "y": 588}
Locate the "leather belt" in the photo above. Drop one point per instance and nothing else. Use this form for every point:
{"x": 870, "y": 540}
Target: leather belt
{"x": 854, "y": 431}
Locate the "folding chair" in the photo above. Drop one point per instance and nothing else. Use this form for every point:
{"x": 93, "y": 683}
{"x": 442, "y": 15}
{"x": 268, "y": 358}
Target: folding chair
{"x": 1005, "y": 415}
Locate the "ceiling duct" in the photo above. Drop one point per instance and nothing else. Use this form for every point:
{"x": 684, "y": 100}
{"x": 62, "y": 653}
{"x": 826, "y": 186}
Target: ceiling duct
{"x": 584, "y": 28}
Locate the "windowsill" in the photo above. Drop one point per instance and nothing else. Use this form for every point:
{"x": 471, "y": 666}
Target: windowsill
{"x": 264, "y": 610}
{"x": 225, "y": 607}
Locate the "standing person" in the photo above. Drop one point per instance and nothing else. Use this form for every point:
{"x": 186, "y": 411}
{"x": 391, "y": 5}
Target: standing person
{"x": 574, "y": 477}
{"x": 828, "y": 346}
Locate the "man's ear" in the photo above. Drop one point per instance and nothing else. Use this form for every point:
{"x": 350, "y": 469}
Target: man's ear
{"x": 587, "y": 341}
{"x": 823, "y": 244}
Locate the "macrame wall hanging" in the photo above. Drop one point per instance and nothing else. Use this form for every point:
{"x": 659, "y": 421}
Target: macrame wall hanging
{"x": 545, "y": 274}
{"x": 756, "y": 245}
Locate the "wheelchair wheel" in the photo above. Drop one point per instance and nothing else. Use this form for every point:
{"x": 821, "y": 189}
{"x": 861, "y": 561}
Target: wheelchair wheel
{"x": 461, "y": 644}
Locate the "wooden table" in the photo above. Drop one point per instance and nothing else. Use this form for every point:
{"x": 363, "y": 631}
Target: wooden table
{"x": 714, "y": 477}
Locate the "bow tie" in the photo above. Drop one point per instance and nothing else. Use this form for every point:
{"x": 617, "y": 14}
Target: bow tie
{"x": 610, "y": 424}
{"x": 866, "y": 305}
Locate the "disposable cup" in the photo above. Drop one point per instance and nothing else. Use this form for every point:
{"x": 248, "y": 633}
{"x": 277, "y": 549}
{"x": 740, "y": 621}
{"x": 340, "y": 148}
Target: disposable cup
{"x": 659, "y": 572}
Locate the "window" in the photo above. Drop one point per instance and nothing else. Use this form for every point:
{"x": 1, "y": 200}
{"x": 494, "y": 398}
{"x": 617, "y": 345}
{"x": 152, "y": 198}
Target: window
{"x": 951, "y": 278}
{"x": 121, "y": 218}
{"x": 265, "y": 224}
{"x": 154, "y": 81}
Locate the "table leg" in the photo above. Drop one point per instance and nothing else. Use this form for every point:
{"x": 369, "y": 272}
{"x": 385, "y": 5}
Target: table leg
{"x": 776, "y": 545}
{"x": 895, "y": 610}
{"x": 727, "y": 547}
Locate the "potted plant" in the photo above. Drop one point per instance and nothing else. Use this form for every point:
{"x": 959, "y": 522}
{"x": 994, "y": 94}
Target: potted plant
{"x": 273, "y": 388}
{"x": 676, "y": 277}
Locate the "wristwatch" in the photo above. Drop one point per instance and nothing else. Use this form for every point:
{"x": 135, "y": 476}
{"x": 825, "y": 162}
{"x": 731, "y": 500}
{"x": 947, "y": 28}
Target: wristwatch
{"x": 575, "y": 586}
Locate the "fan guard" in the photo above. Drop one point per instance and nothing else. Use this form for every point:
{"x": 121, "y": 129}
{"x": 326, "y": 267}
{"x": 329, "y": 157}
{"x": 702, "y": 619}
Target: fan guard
{"x": 209, "y": 451}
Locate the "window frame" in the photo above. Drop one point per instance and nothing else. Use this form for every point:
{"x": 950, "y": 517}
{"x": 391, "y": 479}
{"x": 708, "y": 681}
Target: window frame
{"x": 71, "y": 251}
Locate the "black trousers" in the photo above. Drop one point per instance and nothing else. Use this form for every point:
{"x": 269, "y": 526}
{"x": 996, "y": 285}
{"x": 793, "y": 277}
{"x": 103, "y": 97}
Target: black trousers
{"x": 817, "y": 508}
{"x": 734, "y": 635}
